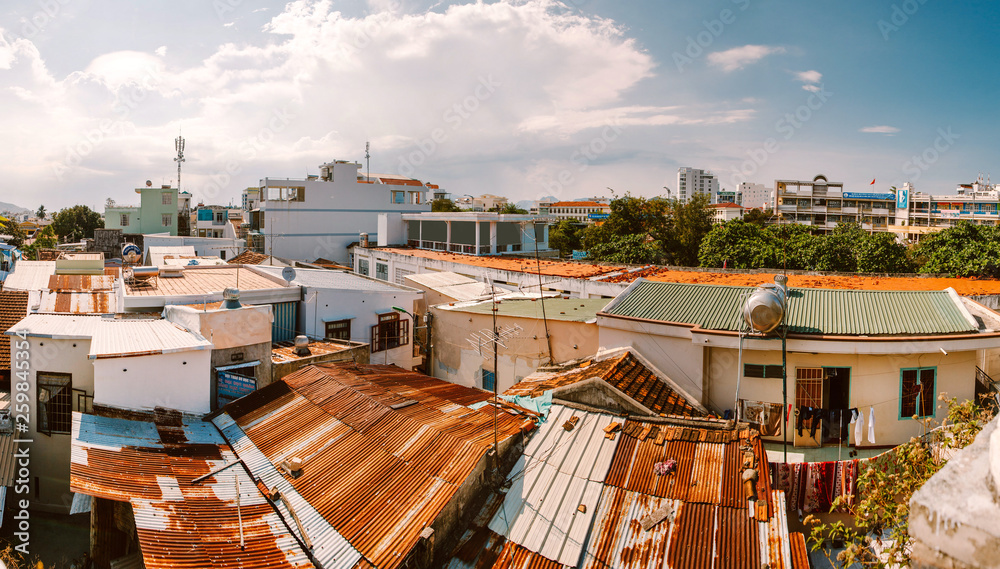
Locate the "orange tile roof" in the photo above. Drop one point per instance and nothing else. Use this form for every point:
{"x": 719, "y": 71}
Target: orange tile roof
{"x": 583, "y": 270}
{"x": 13, "y": 309}
{"x": 524, "y": 265}
{"x": 580, "y": 204}
{"x": 248, "y": 257}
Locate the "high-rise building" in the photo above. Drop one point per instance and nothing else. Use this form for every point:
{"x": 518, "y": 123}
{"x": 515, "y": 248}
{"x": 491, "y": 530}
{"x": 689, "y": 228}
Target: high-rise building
{"x": 692, "y": 181}
{"x": 756, "y": 195}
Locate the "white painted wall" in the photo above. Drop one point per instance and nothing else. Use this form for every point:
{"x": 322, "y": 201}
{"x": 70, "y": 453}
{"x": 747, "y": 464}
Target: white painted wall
{"x": 50, "y": 454}
{"x": 225, "y": 328}
{"x": 180, "y": 380}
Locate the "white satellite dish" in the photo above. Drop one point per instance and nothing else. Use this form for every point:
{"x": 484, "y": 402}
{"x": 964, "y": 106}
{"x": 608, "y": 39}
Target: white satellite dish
{"x": 288, "y": 273}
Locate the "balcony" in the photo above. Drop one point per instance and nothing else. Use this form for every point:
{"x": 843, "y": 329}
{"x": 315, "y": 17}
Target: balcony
{"x": 880, "y": 211}
{"x": 852, "y": 210}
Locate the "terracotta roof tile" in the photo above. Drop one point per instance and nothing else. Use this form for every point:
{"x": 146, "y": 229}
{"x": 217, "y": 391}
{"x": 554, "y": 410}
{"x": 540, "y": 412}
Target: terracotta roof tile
{"x": 248, "y": 257}
{"x": 13, "y": 309}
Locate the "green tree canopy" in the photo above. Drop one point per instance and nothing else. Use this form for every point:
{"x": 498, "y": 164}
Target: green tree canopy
{"x": 629, "y": 249}
{"x": 444, "y": 204}
{"x": 10, "y": 227}
{"x": 965, "y": 250}
{"x": 72, "y": 224}
{"x": 511, "y": 208}
{"x": 566, "y": 236}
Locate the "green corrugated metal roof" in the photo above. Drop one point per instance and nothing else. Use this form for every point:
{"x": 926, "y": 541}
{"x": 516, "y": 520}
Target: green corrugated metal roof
{"x": 810, "y": 311}
{"x": 572, "y": 309}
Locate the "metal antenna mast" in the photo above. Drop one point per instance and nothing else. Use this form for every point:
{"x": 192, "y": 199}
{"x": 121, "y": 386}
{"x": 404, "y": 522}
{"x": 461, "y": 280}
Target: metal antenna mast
{"x": 368, "y": 161}
{"x": 179, "y": 146}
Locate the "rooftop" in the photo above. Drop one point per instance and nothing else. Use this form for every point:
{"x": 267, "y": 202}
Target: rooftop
{"x": 452, "y": 285}
{"x": 100, "y": 302}
{"x": 580, "y": 204}
{"x": 30, "y": 275}
{"x": 248, "y": 257}
{"x": 585, "y": 270}
{"x": 324, "y": 278}
{"x": 179, "y": 523}
{"x": 810, "y": 311}
{"x": 125, "y": 338}
{"x": 385, "y": 449}
{"x": 285, "y": 351}
{"x": 58, "y": 326}
{"x": 626, "y": 372}
{"x": 566, "y": 309}
{"x": 13, "y": 309}
{"x": 80, "y": 283}
{"x": 205, "y": 280}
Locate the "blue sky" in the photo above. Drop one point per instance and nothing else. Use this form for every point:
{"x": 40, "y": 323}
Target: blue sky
{"x": 523, "y": 99}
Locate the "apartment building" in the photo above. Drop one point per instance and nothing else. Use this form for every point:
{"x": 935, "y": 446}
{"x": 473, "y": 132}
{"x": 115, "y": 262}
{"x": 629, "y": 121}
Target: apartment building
{"x": 158, "y": 211}
{"x": 319, "y": 216}
{"x": 693, "y": 181}
{"x": 822, "y": 204}
{"x": 582, "y": 211}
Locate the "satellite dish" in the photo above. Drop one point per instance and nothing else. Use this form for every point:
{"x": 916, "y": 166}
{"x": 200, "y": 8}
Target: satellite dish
{"x": 288, "y": 273}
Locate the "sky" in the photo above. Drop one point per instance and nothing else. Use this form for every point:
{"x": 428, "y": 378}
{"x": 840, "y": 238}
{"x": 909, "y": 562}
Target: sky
{"x": 525, "y": 99}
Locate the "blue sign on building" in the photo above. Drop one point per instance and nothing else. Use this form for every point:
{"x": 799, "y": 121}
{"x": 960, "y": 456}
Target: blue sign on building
{"x": 231, "y": 386}
{"x": 868, "y": 196}
{"x": 903, "y": 198}
{"x": 598, "y": 215}
{"x": 579, "y": 255}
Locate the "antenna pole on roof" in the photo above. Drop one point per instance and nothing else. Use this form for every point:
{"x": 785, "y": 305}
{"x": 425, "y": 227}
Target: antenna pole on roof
{"x": 541, "y": 296}
{"x": 368, "y": 161}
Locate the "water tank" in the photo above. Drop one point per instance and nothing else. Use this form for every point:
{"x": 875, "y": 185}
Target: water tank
{"x": 131, "y": 253}
{"x": 324, "y": 172}
{"x": 363, "y": 240}
{"x": 302, "y": 346}
{"x": 140, "y": 273}
{"x": 765, "y": 308}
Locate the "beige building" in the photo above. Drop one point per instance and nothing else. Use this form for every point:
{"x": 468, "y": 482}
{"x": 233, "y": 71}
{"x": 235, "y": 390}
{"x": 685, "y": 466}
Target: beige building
{"x": 888, "y": 354}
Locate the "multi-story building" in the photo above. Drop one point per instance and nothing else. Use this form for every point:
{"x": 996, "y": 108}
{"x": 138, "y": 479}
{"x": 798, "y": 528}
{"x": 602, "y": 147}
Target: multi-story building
{"x": 754, "y": 196}
{"x": 822, "y": 204}
{"x": 692, "y": 181}
{"x": 319, "y": 216}
{"x": 726, "y": 211}
{"x": 218, "y": 221}
{"x": 918, "y": 213}
{"x": 488, "y": 202}
{"x": 157, "y": 212}
{"x": 582, "y": 211}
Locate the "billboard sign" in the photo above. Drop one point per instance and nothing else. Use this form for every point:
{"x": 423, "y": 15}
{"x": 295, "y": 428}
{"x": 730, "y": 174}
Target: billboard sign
{"x": 903, "y": 198}
{"x": 868, "y": 196}
{"x": 232, "y": 386}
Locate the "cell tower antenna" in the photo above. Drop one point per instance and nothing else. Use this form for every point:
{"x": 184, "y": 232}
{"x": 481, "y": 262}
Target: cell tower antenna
{"x": 179, "y": 146}
{"x": 368, "y": 161}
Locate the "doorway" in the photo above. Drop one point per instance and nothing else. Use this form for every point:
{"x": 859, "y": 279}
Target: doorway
{"x": 837, "y": 395}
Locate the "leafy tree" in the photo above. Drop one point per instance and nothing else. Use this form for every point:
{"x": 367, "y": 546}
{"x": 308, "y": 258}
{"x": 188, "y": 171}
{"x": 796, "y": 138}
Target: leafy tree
{"x": 444, "y": 204}
{"x": 758, "y": 216}
{"x": 40, "y": 214}
{"x": 682, "y": 229}
{"x": 881, "y": 253}
{"x": 837, "y": 251}
{"x": 629, "y": 249}
{"x": 510, "y": 208}
{"x": 965, "y": 250}
{"x": 882, "y": 509}
{"x": 72, "y": 224}
{"x": 566, "y": 236}
{"x": 10, "y": 227}
{"x": 736, "y": 244}
{"x": 45, "y": 239}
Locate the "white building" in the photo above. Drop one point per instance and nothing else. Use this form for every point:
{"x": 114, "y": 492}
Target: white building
{"x": 692, "y": 181}
{"x": 582, "y": 211}
{"x": 319, "y": 216}
{"x": 755, "y": 196}
{"x": 723, "y": 212}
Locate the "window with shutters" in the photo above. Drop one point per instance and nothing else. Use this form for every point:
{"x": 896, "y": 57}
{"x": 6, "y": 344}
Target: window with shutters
{"x": 917, "y": 395}
{"x": 762, "y": 370}
{"x": 55, "y": 402}
{"x": 390, "y": 332}
{"x": 338, "y": 330}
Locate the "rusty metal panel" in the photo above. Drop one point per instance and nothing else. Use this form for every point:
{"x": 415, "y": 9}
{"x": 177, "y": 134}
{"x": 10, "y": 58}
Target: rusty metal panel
{"x": 737, "y": 540}
{"x": 692, "y": 545}
{"x": 800, "y": 555}
{"x": 617, "y": 538}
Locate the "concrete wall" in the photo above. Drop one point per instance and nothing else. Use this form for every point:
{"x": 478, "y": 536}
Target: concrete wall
{"x": 50, "y": 453}
{"x": 332, "y": 216}
{"x": 203, "y": 246}
{"x": 458, "y": 361}
{"x": 180, "y": 380}
{"x": 577, "y": 288}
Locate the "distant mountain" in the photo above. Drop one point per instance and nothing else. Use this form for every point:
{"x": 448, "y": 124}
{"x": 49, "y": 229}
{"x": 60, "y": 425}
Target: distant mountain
{"x": 9, "y": 207}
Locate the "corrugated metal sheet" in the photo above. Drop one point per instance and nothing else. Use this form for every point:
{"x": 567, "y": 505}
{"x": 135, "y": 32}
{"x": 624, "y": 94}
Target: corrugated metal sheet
{"x": 377, "y": 475}
{"x": 180, "y": 524}
{"x": 123, "y": 338}
{"x": 623, "y": 371}
{"x": 81, "y": 283}
{"x": 617, "y": 538}
{"x": 8, "y": 464}
{"x": 78, "y": 302}
{"x": 810, "y": 311}
{"x": 58, "y": 326}
{"x": 30, "y": 275}
{"x": 561, "y": 470}
{"x": 283, "y": 327}
{"x": 800, "y": 554}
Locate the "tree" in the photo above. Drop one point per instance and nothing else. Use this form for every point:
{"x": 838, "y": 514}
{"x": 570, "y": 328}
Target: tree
{"x": 72, "y": 224}
{"x": 965, "y": 250}
{"x": 684, "y": 226}
{"x": 881, "y": 253}
{"x": 510, "y": 208}
{"x": 736, "y": 244}
{"x": 40, "y": 214}
{"x": 567, "y": 235}
{"x": 758, "y": 216}
{"x": 444, "y": 204}
{"x": 636, "y": 249}
{"x": 11, "y": 228}
{"x": 882, "y": 509}
{"x": 45, "y": 239}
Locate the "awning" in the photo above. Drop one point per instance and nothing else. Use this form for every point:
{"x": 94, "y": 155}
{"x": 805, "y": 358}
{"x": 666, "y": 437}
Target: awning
{"x": 237, "y": 366}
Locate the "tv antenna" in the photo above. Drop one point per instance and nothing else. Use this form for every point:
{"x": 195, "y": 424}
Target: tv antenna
{"x": 368, "y": 161}
{"x": 179, "y": 146}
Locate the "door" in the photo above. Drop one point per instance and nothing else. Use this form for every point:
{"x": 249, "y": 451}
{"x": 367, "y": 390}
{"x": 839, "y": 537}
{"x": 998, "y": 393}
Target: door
{"x": 809, "y": 383}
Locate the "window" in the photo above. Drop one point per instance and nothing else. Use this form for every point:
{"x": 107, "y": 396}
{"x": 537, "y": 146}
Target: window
{"x": 760, "y": 370}
{"x": 167, "y": 220}
{"x": 808, "y": 387}
{"x": 390, "y": 332}
{"x": 220, "y": 217}
{"x": 399, "y": 197}
{"x": 382, "y": 271}
{"x": 363, "y": 267}
{"x": 338, "y": 330}
{"x": 489, "y": 380}
{"x": 55, "y": 402}
{"x": 167, "y": 198}
{"x": 124, "y": 220}
{"x": 917, "y": 392}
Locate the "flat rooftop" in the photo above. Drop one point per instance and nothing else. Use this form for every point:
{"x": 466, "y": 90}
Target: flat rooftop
{"x": 523, "y": 265}
{"x": 566, "y": 309}
{"x": 285, "y": 351}
{"x": 205, "y": 280}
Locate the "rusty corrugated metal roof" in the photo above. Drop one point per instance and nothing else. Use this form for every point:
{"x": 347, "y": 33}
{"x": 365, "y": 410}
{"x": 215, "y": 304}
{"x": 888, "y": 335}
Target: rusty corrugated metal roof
{"x": 384, "y": 449}
{"x": 81, "y": 283}
{"x": 624, "y": 371}
{"x": 78, "y": 302}
{"x": 179, "y": 523}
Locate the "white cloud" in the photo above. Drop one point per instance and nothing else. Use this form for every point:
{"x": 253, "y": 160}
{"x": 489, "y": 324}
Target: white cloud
{"x": 811, "y": 79}
{"x": 161, "y": 51}
{"x": 739, "y": 57}
{"x": 880, "y": 129}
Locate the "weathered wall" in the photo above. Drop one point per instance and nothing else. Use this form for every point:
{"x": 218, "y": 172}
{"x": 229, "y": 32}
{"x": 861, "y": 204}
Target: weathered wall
{"x": 180, "y": 380}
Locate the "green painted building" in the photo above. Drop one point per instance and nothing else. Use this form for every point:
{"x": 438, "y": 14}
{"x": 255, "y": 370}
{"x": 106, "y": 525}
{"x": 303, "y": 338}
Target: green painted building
{"x": 157, "y": 212}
